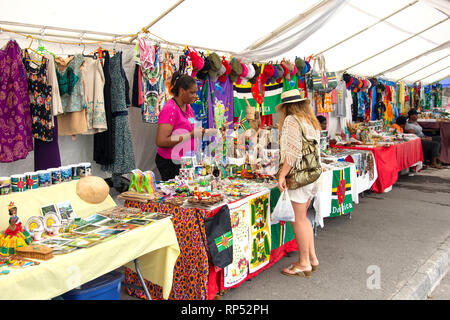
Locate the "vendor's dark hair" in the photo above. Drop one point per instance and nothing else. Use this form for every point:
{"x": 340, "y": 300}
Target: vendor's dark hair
{"x": 181, "y": 80}
{"x": 401, "y": 120}
{"x": 321, "y": 119}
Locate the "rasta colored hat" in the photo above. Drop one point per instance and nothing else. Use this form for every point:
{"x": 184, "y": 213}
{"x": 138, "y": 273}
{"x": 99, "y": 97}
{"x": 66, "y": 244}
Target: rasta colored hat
{"x": 236, "y": 69}
{"x": 290, "y": 96}
{"x": 215, "y": 66}
{"x": 257, "y": 73}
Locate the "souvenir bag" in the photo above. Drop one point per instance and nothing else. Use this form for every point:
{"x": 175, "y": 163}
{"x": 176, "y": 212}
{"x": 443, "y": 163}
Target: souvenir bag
{"x": 220, "y": 237}
{"x": 283, "y": 211}
{"x": 307, "y": 169}
{"x": 321, "y": 80}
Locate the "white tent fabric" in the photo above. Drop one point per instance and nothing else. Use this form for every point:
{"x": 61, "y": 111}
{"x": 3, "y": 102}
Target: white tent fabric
{"x": 234, "y": 25}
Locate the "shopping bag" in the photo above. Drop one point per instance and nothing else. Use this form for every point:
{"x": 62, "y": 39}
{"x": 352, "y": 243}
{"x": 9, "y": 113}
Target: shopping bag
{"x": 321, "y": 80}
{"x": 283, "y": 211}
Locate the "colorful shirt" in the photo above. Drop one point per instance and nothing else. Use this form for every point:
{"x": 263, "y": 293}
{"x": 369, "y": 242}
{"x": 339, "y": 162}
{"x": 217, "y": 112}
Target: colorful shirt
{"x": 182, "y": 123}
{"x": 16, "y": 139}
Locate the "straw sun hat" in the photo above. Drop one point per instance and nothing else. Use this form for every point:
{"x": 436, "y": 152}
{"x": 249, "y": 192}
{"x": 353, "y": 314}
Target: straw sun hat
{"x": 289, "y": 97}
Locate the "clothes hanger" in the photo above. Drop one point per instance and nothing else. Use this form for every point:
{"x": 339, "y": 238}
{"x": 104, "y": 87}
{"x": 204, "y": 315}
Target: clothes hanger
{"x": 29, "y": 48}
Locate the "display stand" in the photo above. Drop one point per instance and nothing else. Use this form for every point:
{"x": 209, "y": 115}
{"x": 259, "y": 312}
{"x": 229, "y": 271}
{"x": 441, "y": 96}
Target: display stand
{"x": 155, "y": 245}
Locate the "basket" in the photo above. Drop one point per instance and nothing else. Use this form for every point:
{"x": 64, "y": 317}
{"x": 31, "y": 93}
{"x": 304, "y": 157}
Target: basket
{"x": 35, "y": 251}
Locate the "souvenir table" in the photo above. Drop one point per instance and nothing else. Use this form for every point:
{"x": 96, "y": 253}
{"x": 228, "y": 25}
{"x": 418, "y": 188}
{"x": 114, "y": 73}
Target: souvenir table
{"x": 365, "y": 165}
{"x": 194, "y": 277}
{"x": 155, "y": 245}
{"x": 444, "y": 130}
{"x": 391, "y": 159}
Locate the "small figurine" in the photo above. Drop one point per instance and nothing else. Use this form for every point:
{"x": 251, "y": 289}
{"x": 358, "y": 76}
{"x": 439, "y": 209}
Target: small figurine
{"x": 15, "y": 236}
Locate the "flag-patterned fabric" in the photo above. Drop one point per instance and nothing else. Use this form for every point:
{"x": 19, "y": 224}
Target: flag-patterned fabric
{"x": 341, "y": 195}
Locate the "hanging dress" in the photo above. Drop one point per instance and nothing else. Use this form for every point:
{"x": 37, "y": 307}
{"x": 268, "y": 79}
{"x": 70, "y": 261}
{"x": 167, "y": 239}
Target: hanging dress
{"x": 46, "y": 152}
{"x": 103, "y": 142}
{"x": 123, "y": 147}
{"x": 71, "y": 88}
{"x": 94, "y": 81}
{"x": 16, "y": 139}
{"x": 40, "y": 99}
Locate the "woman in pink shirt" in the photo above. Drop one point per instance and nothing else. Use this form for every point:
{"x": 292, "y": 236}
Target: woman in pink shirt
{"x": 176, "y": 133}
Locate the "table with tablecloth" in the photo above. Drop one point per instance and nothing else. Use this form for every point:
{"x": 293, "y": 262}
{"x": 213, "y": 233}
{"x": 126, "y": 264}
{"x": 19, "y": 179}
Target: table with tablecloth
{"x": 194, "y": 276}
{"x": 444, "y": 131}
{"x": 155, "y": 246}
{"x": 392, "y": 159}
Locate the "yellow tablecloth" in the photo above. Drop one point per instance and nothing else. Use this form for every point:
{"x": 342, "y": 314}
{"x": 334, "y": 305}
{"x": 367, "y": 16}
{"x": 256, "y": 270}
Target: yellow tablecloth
{"x": 155, "y": 245}
{"x": 29, "y": 202}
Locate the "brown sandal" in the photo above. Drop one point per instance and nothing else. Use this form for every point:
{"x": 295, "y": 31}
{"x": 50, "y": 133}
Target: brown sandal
{"x": 297, "y": 272}
{"x": 314, "y": 268}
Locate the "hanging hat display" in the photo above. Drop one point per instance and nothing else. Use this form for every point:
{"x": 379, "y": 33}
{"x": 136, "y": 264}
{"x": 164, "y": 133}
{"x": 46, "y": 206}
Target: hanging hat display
{"x": 274, "y": 75}
{"x": 290, "y": 68}
{"x": 204, "y": 71}
{"x": 300, "y": 64}
{"x": 250, "y": 73}
{"x": 280, "y": 73}
{"x": 236, "y": 69}
{"x": 257, "y": 73}
{"x": 215, "y": 66}
{"x": 267, "y": 73}
{"x": 197, "y": 62}
{"x": 227, "y": 67}
{"x": 243, "y": 73}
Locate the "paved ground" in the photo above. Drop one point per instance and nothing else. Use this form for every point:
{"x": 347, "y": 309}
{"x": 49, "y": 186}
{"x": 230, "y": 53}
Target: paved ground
{"x": 442, "y": 291}
{"x": 389, "y": 241}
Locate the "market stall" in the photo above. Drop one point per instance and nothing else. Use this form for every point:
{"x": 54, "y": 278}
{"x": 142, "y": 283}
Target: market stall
{"x": 68, "y": 267}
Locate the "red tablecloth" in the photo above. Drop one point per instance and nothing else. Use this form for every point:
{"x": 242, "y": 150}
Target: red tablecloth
{"x": 391, "y": 160}
{"x": 444, "y": 131}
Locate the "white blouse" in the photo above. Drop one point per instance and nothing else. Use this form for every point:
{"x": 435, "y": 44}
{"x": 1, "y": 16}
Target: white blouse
{"x": 291, "y": 140}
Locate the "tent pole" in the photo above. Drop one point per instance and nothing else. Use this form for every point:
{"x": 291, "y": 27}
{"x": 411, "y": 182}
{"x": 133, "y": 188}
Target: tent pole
{"x": 286, "y": 26}
{"x": 42, "y": 27}
{"x": 47, "y": 34}
{"x": 425, "y": 67}
{"x": 367, "y": 28}
{"x": 440, "y": 47}
{"x": 432, "y": 74}
{"x": 395, "y": 45}
{"x": 165, "y": 13}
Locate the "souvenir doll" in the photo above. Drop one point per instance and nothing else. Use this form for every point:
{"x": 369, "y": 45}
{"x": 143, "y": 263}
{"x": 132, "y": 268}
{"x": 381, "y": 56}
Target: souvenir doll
{"x": 15, "y": 235}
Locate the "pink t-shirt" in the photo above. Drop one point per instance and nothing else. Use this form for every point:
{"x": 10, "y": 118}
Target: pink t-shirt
{"x": 182, "y": 124}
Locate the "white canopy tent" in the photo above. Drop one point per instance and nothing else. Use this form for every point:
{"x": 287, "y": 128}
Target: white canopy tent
{"x": 361, "y": 37}
{"x": 396, "y": 40}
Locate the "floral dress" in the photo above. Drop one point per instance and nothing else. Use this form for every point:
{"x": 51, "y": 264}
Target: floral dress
{"x": 40, "y": 99}
{"x": 15, "y": 120}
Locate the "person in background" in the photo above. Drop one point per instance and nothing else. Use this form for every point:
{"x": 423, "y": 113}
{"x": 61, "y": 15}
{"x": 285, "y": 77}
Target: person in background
{"x": 399, "y": 124}
{"x": 323, "y": 122}
{"x": 290, "y": 153}
{"x": 431, "y": 145}
{"x": 176, "y": 134}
